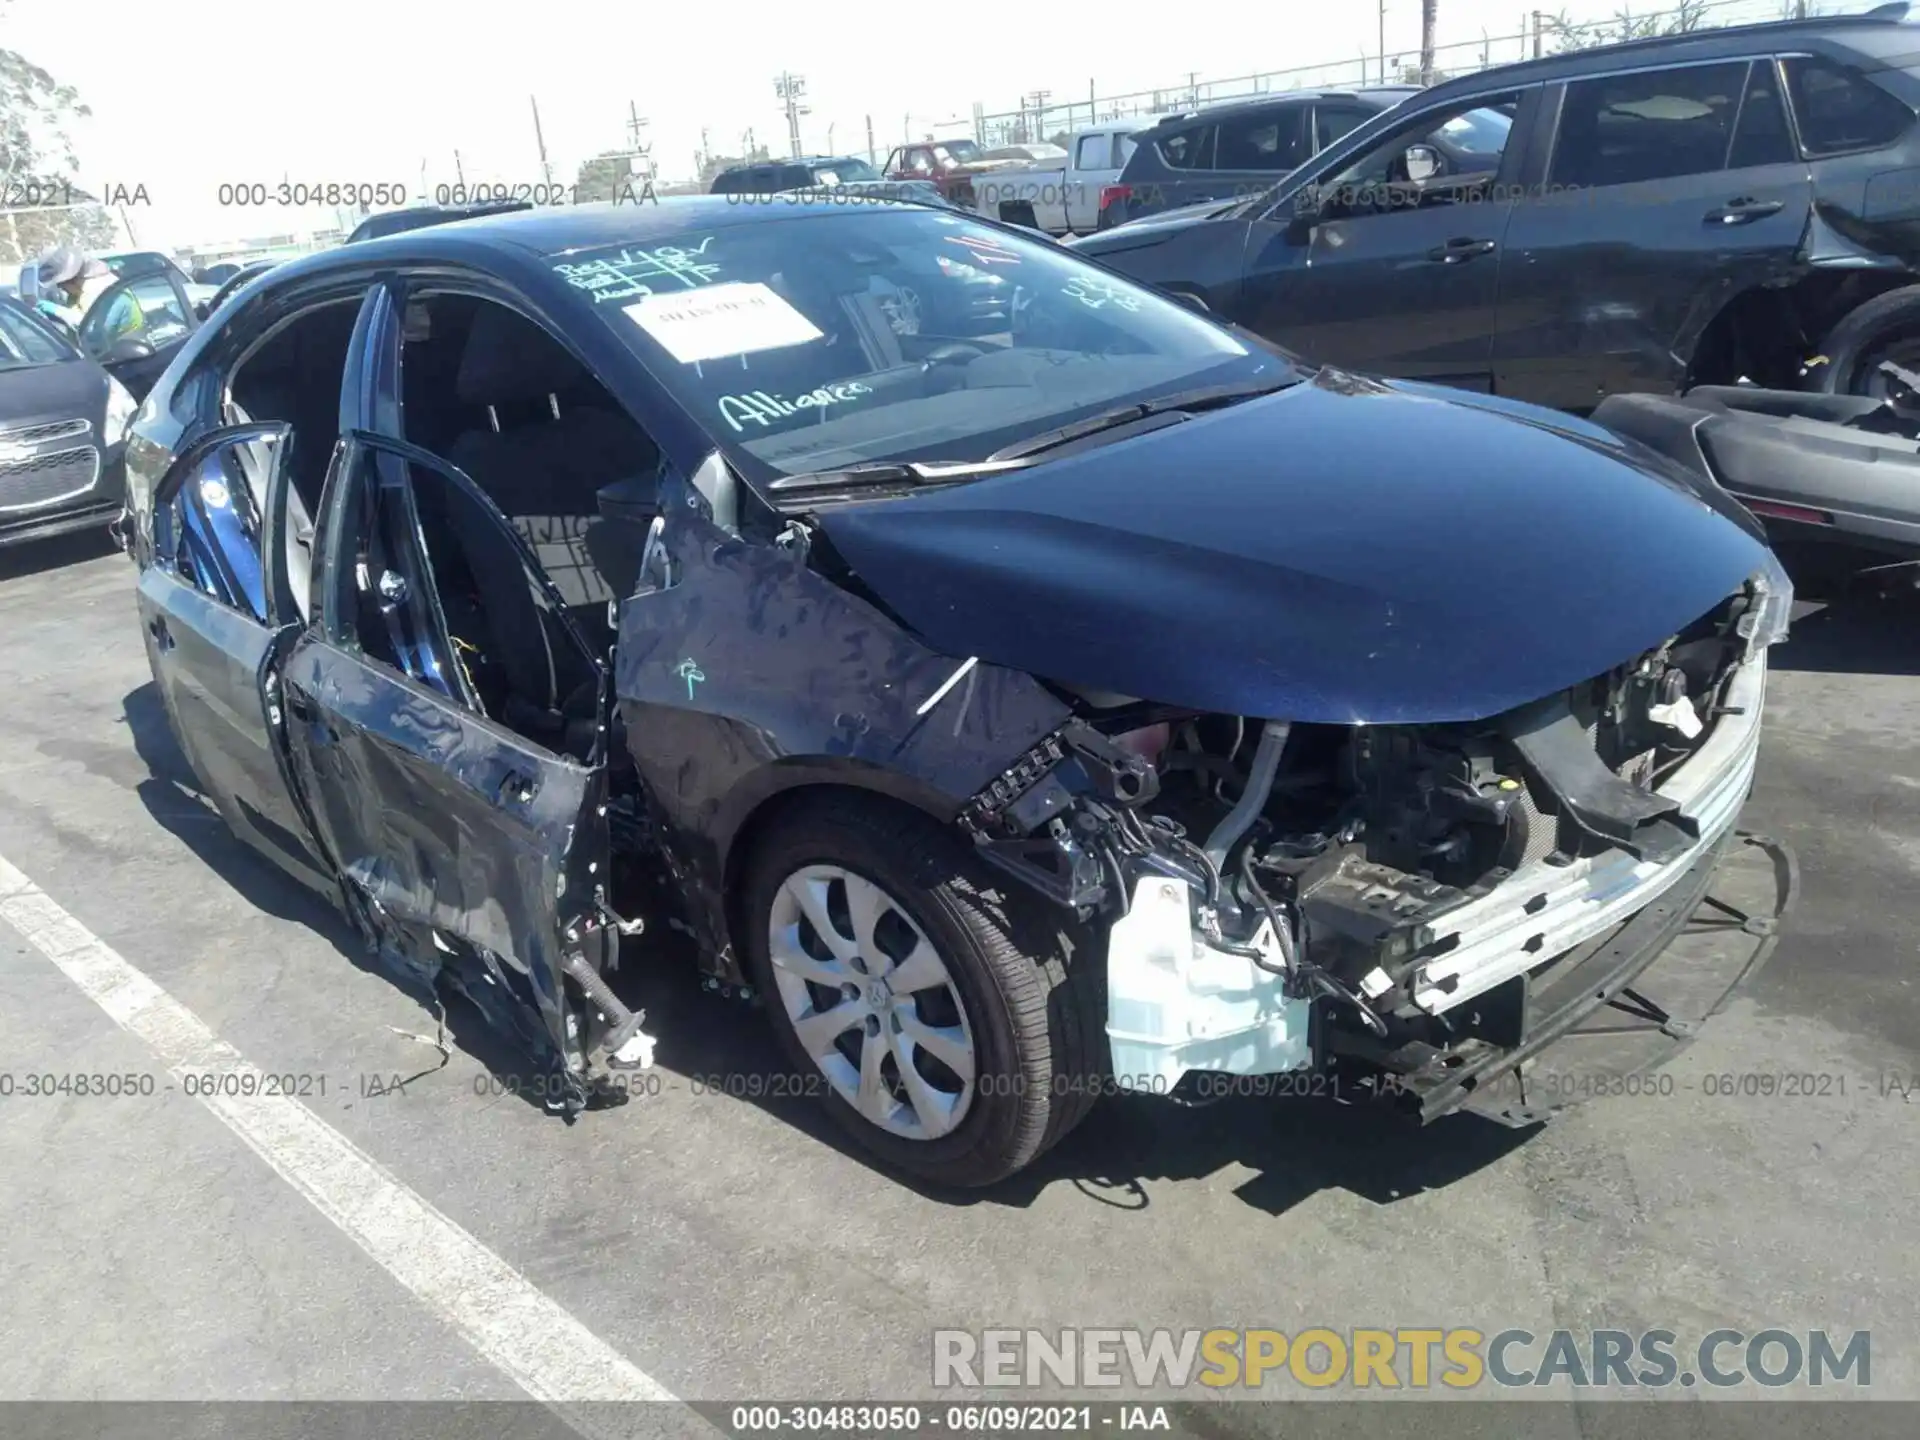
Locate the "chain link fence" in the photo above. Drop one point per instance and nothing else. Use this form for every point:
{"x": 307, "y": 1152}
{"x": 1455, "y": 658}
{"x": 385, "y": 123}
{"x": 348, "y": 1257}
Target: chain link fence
{"x": 1049, "y": 115}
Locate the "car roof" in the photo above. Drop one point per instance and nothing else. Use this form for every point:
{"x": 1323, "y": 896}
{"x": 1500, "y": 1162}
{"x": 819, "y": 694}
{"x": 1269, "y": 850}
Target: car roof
{"x": 1386, "y": 95}
{"x": 392, "y": 222}
{"x": 1867, "y": 34}
{"x": 784, "y": 161}
{"x": 551, "y": 232}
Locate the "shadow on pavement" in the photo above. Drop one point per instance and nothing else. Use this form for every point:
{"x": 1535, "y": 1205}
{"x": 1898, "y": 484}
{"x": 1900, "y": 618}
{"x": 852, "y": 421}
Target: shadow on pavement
{"x": 1300, "y": 1145}
{"x": 724, "y": 1046}
{"x": 172, "y": 795}
{"x": 36, "y": 557}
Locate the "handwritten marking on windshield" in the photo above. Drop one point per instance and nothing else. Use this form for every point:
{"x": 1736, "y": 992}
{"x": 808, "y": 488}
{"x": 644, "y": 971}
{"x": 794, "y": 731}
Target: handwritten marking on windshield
{"x": 987, "y": 249}
{"x": 1097, "y": 294}
{"x": 689, "y": 671}
{"x": 624, "y": 276}
{"x": 762, "y": 409}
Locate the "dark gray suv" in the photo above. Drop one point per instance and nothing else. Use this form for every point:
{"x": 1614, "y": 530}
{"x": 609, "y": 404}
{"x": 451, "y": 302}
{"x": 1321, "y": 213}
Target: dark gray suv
{"x": 773, "y": 177}
{"x": 1234, "y": 150}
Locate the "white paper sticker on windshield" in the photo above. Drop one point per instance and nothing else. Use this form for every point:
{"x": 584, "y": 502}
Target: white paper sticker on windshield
{"x": 721, "y": 320}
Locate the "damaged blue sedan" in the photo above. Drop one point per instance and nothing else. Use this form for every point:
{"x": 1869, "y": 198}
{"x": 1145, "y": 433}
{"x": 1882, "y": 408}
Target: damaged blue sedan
{"x": 1026, "y": 686}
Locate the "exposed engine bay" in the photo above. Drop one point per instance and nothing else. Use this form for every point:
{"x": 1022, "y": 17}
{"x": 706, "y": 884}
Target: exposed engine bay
{"x": 1313, "y": 867}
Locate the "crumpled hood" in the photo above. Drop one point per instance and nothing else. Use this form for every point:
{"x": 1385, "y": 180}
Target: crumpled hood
{"x": 1344, "y": 551}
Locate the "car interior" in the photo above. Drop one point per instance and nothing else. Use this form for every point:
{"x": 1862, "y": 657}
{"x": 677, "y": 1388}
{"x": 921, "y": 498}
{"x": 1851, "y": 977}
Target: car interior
{"x": 294, "y": 378}
{"x": 1625, "y": 130}
{"x": 498, "y": 398}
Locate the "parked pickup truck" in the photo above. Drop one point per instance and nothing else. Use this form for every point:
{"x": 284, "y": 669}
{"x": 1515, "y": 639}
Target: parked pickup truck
{"x": 952, "y": 166}
{"x": 1061, "y": 196}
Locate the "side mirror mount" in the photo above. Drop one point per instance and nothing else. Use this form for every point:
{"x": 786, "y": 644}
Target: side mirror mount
{"x": 1303, "y": 213}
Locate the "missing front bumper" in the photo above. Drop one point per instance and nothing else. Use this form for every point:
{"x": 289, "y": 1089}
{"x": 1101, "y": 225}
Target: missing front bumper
{"x": 1619, "y": 1006}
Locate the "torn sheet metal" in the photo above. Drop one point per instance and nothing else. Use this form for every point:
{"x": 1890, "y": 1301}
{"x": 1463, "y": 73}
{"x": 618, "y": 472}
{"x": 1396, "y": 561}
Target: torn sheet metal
{"x": 751, "y": 673}
{"x": 449, "y": 826}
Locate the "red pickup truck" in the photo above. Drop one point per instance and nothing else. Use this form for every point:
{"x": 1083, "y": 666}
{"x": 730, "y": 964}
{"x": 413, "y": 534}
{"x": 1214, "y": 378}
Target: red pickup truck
{"x": 949, "y": 164}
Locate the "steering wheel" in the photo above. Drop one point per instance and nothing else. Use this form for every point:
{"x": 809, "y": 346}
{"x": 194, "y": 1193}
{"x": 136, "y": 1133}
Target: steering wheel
{"x": 954, "y": 352}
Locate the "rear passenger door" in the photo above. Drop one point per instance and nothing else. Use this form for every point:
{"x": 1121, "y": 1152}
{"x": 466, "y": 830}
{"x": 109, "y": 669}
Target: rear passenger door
{"x": 451, "y": 830}
{"x": 216, "y": 621}
{"x": 1665, "y": 193}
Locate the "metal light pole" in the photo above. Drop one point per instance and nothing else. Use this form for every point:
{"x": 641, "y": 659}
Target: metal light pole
{"x": 790, "y": 87}
{"x": 546, "y": 170}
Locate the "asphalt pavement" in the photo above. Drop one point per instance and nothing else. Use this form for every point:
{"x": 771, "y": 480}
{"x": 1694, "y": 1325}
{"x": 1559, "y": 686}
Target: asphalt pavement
{"x": 728, "y": 1246}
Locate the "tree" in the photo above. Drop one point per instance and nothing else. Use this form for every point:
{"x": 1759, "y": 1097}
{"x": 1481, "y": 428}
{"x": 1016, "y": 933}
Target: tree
{"x": 38, "y": 166}
{"x": 1562, "y": 34}
{"x": 1429, "y": 17}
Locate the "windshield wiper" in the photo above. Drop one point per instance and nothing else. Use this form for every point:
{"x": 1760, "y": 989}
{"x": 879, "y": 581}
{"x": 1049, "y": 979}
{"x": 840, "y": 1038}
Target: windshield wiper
{"x": 892, "y": 472}
{"x": 1205, "y": 397}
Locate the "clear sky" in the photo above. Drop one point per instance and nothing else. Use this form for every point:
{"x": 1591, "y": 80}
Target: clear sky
{"x": 188, "y": 97}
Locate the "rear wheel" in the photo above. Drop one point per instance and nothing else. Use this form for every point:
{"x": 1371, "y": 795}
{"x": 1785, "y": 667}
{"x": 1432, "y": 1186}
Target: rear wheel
{"x": 1874, "y": 348}
{"x": 955, "y": 1022}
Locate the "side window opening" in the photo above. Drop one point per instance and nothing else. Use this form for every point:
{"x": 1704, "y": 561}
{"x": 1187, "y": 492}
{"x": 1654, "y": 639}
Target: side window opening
{"x": 294, "y": 377}
{"x": 444, "y": 591}
{"x": 498, "y": 397}
{"x": 1840, "y": 110}
{"x": 1330, "y": 122}
{"x": 1272, "y": 140}
{"x": 136, "y": 316}
{"x": 1459, "y": 149}
{"x": 1655, "y": 125}
{"x": 434, "y": 588}
{"x": 208, "y": 530}
{"x": 1189, "y": 149}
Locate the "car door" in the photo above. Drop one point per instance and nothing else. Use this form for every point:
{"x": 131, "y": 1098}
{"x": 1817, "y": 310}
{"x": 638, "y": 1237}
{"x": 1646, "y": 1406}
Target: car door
{"x": 448, "y": 828}
{"x": 1374, "y": 269}
{"x": 1667, "y": 192}
{"x": 216, "y": 624}
{"x": 1098, "y": 160}
{"x": 136, "y": 327}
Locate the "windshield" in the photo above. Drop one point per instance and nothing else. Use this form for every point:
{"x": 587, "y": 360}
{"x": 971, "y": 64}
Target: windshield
{"x": 818, "y": 341}
{"x": 956, "y": 152}
{"x": 838, "y": 172}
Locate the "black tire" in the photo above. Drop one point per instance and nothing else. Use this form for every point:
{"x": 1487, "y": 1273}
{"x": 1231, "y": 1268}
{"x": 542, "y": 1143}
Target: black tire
{"x": 1855, "y": 345}
{"x": 1032, "y": 984}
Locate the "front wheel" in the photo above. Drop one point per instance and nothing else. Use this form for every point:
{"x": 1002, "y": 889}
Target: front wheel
{"x": 1873, "y": 350}
{"x": 954, "y": 1022}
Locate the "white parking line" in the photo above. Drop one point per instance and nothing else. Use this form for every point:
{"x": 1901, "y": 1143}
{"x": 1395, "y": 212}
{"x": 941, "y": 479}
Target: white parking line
{"x": 543, "y": 1348}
